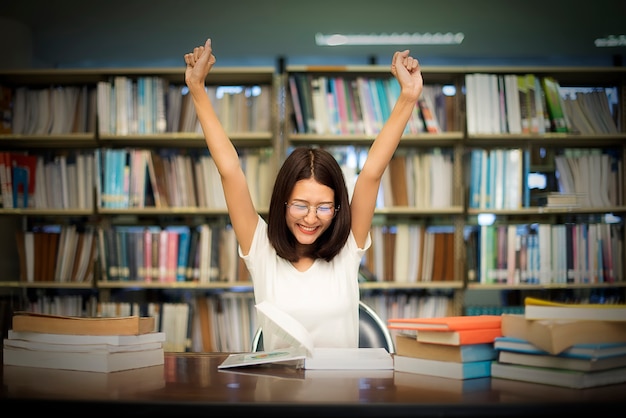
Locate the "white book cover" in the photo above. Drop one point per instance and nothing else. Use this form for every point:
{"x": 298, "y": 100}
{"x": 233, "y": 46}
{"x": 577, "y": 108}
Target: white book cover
{"x": 94, "y": 361}
{"x": 349, "y": 359}
{"x": 120, "y": 340}
{"x": 79, "y": 348}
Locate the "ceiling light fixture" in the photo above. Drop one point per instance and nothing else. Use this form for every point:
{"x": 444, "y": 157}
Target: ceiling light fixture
{"x": 611, "y": 40}
{"x": 390, "y": 39}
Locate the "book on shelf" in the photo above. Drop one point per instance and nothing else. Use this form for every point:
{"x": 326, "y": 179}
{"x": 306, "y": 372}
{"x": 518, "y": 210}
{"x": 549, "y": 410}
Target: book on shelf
{"x": 556, "y": 335}
{"x": 301, "y": 351}
{"x": 554, "y": 104}
{"x": 6, "y": 182}
{"x": 446, "y": 323}
{"x": 561, "y": 361}
{"x": 558, "y": 377}
{"x": 461, "y": 337}
{"x": 409, "y": 346}
{"x": 582, "y": 350}
{"x": 449, "y": 369}
{"x": 560, "y": 200}
{"x": 535, "y": 308}
{"x": 6, "y": 109}
{"x": 60, "y": 324}
{"x": 24, "y": 171}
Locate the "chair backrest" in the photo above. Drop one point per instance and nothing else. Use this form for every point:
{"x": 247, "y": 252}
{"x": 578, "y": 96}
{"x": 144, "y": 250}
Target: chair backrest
{"x": 373, "y": 331}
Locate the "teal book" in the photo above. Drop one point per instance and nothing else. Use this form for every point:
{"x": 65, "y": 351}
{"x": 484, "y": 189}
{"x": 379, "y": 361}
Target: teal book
{"x": 407, "y": 345}
{"x": 557, "y": 361}
{"x": 576, "y": 379}
{"x": 184, "y": 238}
{"x": 449, "y": 369}
{"x": 585, "y": 351}
{"x": 476, "y": 156}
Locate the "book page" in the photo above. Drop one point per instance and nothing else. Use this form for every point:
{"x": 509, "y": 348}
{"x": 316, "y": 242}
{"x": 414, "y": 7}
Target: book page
{"x": 285, "y": 326}
{"x": 291, "y": 354}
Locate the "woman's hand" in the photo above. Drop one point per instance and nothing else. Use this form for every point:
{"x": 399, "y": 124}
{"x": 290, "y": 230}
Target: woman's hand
{"x": 199, "y": 63}
{"x": 406, "y": 70}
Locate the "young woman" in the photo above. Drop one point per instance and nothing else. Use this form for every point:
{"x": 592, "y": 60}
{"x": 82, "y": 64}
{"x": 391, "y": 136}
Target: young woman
{"x": 305, "y": 258}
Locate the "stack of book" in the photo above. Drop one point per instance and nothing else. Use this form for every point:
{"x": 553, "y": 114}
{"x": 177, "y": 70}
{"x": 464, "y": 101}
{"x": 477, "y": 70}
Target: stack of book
{"x": 567, "y": 345}
{"x": 83, "y": 344}
{"x": 456, "y": 347}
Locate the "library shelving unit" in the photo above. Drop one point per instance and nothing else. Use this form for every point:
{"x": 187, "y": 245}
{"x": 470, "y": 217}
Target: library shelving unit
{"x": 474, "y": 118}
{"x": 420, "y": 209}
{"x": 430, "y": 240}
{"x": 107, "y": 132}
{"x": 537, "y": 245}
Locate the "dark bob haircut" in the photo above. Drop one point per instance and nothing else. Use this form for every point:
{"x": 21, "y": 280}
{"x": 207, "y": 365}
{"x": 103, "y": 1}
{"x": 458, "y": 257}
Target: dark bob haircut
{"x": 305, "y": 163}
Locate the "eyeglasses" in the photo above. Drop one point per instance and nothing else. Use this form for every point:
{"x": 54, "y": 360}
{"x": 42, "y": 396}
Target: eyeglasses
{"x": 323, "y": 211}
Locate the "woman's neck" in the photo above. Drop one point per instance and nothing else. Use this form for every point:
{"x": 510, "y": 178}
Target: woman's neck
{"x": 303, "y": 263}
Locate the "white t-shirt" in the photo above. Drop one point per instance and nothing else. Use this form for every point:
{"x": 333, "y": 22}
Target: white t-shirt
{"x": 324, "y": 299}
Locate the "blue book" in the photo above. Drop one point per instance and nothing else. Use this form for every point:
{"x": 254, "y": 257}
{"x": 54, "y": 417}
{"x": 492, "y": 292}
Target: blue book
{"x": 184, "y": 237}
{"x": 121, "y": 247}
{"x": 130, "y": 240}
{"x": 560, "y": 361}
{"x": 407, "y": 345}
{"x": 475, "y": 178}
{"x": 449, "y": 369}
{"x": 576, "y": 379}
{"x": 383, "y": 98}
{"x": 586, "y": 351}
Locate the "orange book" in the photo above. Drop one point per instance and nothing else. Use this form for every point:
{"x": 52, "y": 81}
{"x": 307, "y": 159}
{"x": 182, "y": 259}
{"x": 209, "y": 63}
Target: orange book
{"x": 446, "y": 323}
{"x": 440, "y": 258}
{"x": 60, "y": 324}
{"x": 449, "y": 259}
{"x": 399, "y": 188}
{"x": 461, "y": 337}
{"x": 389, "y": 251}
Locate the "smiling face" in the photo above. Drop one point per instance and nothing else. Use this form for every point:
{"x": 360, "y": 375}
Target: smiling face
{"x": 311, "y": 177}
{"x": 309, "y": 192}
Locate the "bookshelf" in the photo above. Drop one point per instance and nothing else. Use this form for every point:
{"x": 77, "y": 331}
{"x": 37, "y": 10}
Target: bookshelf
{"x": 477, "y": 122}
{"x": 390, "y": 283}
{"x": 569, "y": 265}
{"x": 409, "y": 215}
{"x": 147, "y": 118}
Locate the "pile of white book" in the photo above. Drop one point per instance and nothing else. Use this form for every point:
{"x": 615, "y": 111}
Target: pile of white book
{"x": 83, "y": 344}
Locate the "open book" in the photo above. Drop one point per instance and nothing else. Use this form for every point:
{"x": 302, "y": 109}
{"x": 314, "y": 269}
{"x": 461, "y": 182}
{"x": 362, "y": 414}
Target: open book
{"x": 302, "y": 352}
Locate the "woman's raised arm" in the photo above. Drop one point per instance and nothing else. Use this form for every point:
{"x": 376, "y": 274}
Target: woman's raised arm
{"x": 243, "y": 215}
{"x": 406, "y": 70}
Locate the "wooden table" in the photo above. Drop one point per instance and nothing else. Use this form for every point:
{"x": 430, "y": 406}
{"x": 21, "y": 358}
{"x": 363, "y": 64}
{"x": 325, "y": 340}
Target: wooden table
{"x": 189, "y": 384}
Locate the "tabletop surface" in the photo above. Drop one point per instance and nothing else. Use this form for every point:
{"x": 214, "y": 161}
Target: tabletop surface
{"x": 190, "y": 383}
